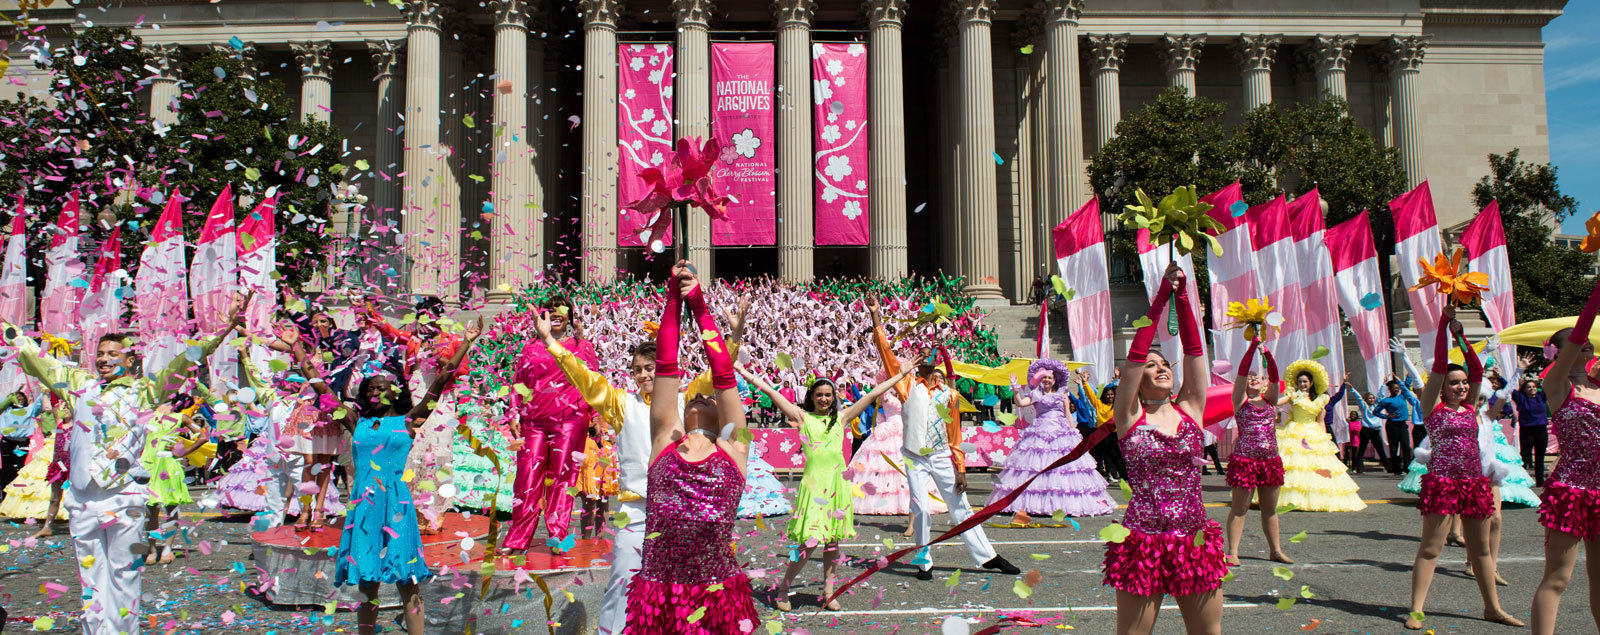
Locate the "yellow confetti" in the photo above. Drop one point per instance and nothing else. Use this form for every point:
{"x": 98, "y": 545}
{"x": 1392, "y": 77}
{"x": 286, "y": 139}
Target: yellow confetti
{"x": 86, "y": 562}
{"x": 44, "y": 623}
{"x": 696, "y": 615}
{"x": 406, "y": 477}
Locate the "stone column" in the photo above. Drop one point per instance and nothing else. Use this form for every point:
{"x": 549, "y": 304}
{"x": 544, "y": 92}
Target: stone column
{"x": 1069, "y": 188}
{"x": 947, "y": 149}
{"x": 1179, "y": 55}
{"x": 692, "y": 105}
{"x": 1255, "y": 54}
{"x": 1330, "y": 54}
{"x": 979, "y": 205}
{"x": 316, "y": 79}
{"x": 388, "y": 59}
{"x": 600, "y": 204}
{"x": 515, "y": 249}
{"x": 796, "y": 188}
{"x": 429, "y": 237}
{"x": 1105, "y": 68}
{"x": 1404, "y": 56}
{"x": 887, "y": 130}
{"x": 164, "y": 84}
{"x": 1382, "y": 102}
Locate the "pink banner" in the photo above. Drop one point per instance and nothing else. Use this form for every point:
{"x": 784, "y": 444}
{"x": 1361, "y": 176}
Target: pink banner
{"x": 839, "y": 121}
{"x": 644, "y": 128}
{"x": 742, "y": 120}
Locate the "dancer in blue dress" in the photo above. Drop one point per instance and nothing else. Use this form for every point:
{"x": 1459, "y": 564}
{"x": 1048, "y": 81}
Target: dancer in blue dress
{"x": 381, "y": 542}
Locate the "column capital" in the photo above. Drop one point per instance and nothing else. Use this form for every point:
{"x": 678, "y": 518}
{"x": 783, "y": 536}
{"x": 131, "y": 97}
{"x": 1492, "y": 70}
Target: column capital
{"x": 787, "y": 13}
{"x": 245, "y": 56}
{"x": 1330, "y": 52}
{"x": 1404, "y": 53}
{"x": 1256, "y": 52}
{"x": 313, "y": 58}
{"x": 517, "y": 13}
{"x": 388, "y": 56}
{"x": 974, "y": 11}
{"x": 427, "y": 14}
{"x": 600, "y": 13}
{"x": 694, "y": 13}
{"x": 1106, "y": 51}
{"x": 1180, "y": 52}
{"x": 165, "y": 58}
{"x": 1060, "y": 10}
{"x": 886, "y": 13}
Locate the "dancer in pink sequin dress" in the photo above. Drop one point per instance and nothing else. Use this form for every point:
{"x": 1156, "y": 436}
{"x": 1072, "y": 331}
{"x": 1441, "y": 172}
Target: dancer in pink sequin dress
{"x": 1255, "y": 467}
{"x": 690, "y": 582}
{"x": 1569, "y": 507}
{"x": 1172, "y": 547}
{"x": 1454, "y": 484}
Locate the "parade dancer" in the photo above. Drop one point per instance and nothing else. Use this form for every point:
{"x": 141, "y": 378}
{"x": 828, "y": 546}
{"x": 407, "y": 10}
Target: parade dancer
{"x": 1172, "y": 547}
{"x": 1314, "y": 479}
{"x": 1255, "y": 467}
{"x": 163, "y": 448}
{"x": 1455, "y": 483}
{"x": 1074, "y": 489}
{"x": 1570, "y": 505}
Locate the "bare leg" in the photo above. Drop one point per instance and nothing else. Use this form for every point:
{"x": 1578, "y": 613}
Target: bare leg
{"x": 1477, "y": 533}
{"x": 367, "y": 610}
{"x": 1592, "y": 567}
{"x": 1202, "y": 613}
{"x": 323, "y": 478}
{"x": 1136, "y": 614}
{"x": 1434, "y": 527}
{"x": 152, "y": 524}
{"x": 1495, "y": 523}
{"x": 169, "y": 519}
{"x": 307, "y": 475}
{"x": 803, "y": 554}
{"x": 1238, "y": 507}
{"x": 411, "y": 599}
{"x": 1560, "y": 554}
{"x": 602, "y": 513}
{"x": 830, "y": 559}
{"x": 1269, "y": 524}
{"x": 1454, "y": 537}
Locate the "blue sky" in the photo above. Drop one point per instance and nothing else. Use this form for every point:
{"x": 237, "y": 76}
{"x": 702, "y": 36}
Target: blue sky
{"x": 1572, "y": 91}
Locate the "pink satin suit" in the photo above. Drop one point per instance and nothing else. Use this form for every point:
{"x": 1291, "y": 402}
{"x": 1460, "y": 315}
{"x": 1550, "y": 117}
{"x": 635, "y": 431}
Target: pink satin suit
{"x": 555, "y": 425}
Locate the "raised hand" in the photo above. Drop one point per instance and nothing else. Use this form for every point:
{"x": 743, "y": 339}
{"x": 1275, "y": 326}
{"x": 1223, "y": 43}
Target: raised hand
{"x": 475, "y": 329}
{"x": 1174, "y": 274}
{"x": 1396, "y": 347}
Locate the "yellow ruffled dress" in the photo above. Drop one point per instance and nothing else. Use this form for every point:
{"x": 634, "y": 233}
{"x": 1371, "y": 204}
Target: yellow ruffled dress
{"x": 29, "y": 495}
{"x": 1314, "y": 479}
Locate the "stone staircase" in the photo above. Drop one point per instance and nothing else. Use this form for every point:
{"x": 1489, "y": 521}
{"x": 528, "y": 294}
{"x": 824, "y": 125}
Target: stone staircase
{"x": 1018, "y": 327}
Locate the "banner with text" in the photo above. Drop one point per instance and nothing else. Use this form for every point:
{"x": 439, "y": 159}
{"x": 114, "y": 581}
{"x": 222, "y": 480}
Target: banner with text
{"x": 742, "y": 118}
{"x": 644, "y": 130}
{"x": 839, "y": 124}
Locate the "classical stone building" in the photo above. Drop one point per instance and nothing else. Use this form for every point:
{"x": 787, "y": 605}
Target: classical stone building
{"x": 981, "y": 116}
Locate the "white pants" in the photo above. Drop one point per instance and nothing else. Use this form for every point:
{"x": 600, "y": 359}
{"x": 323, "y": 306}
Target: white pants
{"x": 282, "y": 488}
{"x": 627, "y": 555}
{"x": 104, "y": 531}
{"x": 938, "y": 468}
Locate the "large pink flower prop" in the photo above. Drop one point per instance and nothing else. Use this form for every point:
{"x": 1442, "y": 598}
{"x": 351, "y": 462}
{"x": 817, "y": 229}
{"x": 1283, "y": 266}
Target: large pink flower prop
{"x": 686, "y": 178}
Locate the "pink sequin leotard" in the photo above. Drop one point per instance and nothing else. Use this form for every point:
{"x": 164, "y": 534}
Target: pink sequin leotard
{"x": 1570, "y": 502}
{"x": 690, "y": 518}
{"x": 1159, "y": 556}
{"x": 1255, "y": 461}
{"x": 1455, "y": 483}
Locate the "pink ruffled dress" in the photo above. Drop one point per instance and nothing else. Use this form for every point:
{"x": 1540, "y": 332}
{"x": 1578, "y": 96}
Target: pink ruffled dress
{"x": 1570, "y": 502}
{"x": 1455, "y": 483}
{"x": 1165, "y": 516}
{"x": 690, "y": 516}
{"x": 1255, "y": 461}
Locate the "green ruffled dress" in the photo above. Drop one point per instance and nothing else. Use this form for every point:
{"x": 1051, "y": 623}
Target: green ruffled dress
{"x": 824, "y": 511}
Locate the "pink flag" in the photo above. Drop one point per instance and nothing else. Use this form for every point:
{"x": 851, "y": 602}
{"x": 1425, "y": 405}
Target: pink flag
{"x": 1279, "y": 276}
{"x": 213, "y": 282}
{"x": 14, "y": 294}
{"x": 161, "y": 299}
{"x": 1153, "y": 260}
{"x": 1233, "y": 274}
{"x": 102, "y": 306}
{"x": 1319, "y": 299}
{"x": 258, "y": 255}
{"x": 1081, "y": 257}
{"x": 1416, "y": 234}
{"x": 839, "y": 121}
{"x": 63, "y": 282}
{"x": 743, "y": 122}
{"x": 644, "y": 131}
{"x": 1041, "y": 341}
{"x": 1485, "y": 242}
{"x": 1360, "y": 288}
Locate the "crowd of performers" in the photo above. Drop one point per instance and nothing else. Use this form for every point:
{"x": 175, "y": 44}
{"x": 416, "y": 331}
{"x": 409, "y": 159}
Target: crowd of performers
{"x": 378, "y": 413}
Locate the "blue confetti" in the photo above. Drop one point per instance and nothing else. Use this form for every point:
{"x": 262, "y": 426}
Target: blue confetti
{"x": 488, "y": 207}
{"x": 997, "y": 159}
{"x": 1238, "y": 208}
{"x": 1075, "y": 525}
{"x": 991, "y": 427}
{"x": 1371, "y": 301}
{"x": 991, "y": 401}
{"x": 236, "y": 43}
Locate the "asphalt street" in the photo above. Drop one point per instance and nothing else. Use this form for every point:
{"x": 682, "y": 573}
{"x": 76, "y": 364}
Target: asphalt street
{"x": 1354, "y": 567}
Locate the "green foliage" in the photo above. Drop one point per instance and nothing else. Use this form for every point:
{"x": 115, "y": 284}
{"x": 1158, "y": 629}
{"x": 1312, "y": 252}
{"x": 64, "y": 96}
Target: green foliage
{"x": 244, "y": 130}
{"x": 1531, "y": 204}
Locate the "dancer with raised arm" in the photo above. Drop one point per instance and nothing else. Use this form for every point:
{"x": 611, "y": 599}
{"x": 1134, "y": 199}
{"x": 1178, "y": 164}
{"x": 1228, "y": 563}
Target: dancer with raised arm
{"x": 1255, "y": 467}
{"x": 1172, "y": 548}
{"x": 877, "y": 466}
{"x": 695, "y": 481}
{"x": 1455, "y": 483}
{"x": 1570, "y": 505}
{"x": 1074, "y": 489}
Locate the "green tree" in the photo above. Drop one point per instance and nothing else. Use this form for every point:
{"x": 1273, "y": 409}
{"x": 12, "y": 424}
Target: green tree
{"x": 1318, "y": 145}
{"x": 242, "y": 130}
{"x": 1531, "y": 206}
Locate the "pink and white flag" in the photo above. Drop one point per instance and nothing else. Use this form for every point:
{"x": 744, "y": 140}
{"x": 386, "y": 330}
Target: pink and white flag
{"x": 161, "y": 300}
{"x": 102, "y": 306}
{"x": 644, "y": 131}
{"x": 1485, "y": 242}
{"x": 14, "y": 293}
{"x": 1279, "y": 276}
{"x": 1233, "y": 273}
{"x": 1416, "y": 233}
{"x": 839, "y": 118}
{"x": 213, "y": 283}
{"x": 63, "y": 280}
{"x": 1319, "y": 298}
{"x": 1360, "y": 288}
{"x": 743, "y": 119}
{"x": 1153, "y": 260}
{"x": 1041, "y": 341}
{"x": 1081, "y": 257}
{"x": 258, "y": 260}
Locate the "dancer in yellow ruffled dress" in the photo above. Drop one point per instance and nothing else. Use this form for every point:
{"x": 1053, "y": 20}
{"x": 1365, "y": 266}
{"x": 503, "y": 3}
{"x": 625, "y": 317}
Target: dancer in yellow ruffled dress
{"x": 1314, "y": 479}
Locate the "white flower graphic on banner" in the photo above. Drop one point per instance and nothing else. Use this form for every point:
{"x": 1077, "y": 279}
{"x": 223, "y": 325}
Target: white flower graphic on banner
{"x": 861, "y": 185}
{"x": 830, "y": 195}
{"x": 630, "y": 94}
{"x": 852, "y": 209}
{"x": 660, "y": 127}
{"x": 818, "y": 50}
{"x": 745, "y": 143}
{"x": 835, "y": 66}
{"x": 655, "y": 75}
{"x": 637, "y": 64}
{"x": 850, "y": 125}
{"x": 647, "y": 114}
{"x": 838, "y": 167}
{"x": 656, "y": 158}
{"x": 830, "y": 134}
{"x": 638, "y": 144}
{"x": 857, "y": 50}
{"x": 821, "y": 90}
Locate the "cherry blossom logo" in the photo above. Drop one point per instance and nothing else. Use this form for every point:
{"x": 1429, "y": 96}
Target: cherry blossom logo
{"x": 838, "y": 167}
{"x": 852, "y": 209}
{"x": 745, "y": 143}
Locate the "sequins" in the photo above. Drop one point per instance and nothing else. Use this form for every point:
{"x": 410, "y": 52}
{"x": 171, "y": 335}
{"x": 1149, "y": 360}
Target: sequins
{"x": 1577, "y": 428}
{"x": 1258, "y": 437}
{"x": 1165, "y": 480}
{"x": 1455, "y": 444}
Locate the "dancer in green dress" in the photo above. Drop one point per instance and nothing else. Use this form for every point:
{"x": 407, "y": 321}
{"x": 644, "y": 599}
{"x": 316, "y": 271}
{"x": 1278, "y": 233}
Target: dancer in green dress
{"x": 163, "y": 450}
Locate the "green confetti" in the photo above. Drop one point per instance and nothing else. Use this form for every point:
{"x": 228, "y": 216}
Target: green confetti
{"x": 888, "y": 543}
{"x": 784, "y": 361}
{"x": 1418, "y": 616}
{"x": 744, "y": 435}
{"x": 619, "y": 519}
{"x": 1058, "y": 284}
{"x": 1114, "y": 532}
{"x": 1321, "y": 352}
{"x": 1141, "y": 322}
{"x": 1286, "y": 508}
{"x": 954, "y": 579}
{"x": 1021, "y": 589}
{"x": 1298, "y": 538}
{"x": 1027, "y": 50}
{"x": 361, "y": 164}
{"x": 1228, "y": 578}
{"x": 1283, "y": 572}
{"x": 774, "y": 627}
{"x": 475, "y": 177}
{"x": 252, "y": 174}
{"x": 696, "y": 615}
{"x": 1285, "y": 603}
{"x": 1127, "y": 490}
{"x": 1039, "y": 556}
{"x": 1200, "y": 539}
{"x": 466, "y": 120}
{"x": 1059, "y": 515}
{"x": 1305, "y": 592}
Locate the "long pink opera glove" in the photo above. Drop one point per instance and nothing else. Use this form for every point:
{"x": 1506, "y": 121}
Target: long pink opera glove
{"x": 722, "y": 377}
{"x": 1139, "y": 351}
{"x": 1441, "y": 345}
{"x": 1248, "y": 359}
{"x": 1272, "y": 366}
{"x": 1188, "y": 327}
{"x": 667, "y": 336}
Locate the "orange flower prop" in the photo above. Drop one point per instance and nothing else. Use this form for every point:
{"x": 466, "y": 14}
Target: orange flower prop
{"x": 1591, "y": 243}
{"x": 649, "y": 328}
{"x": 1449, "y": 277}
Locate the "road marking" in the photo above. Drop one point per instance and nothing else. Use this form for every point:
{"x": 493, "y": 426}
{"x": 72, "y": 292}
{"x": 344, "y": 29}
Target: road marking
{"x": 994, "y": 542}
{"x": 1029, "y": 609}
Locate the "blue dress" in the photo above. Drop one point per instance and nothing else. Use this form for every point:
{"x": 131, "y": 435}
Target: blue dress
{"x": 368, "y": 552}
